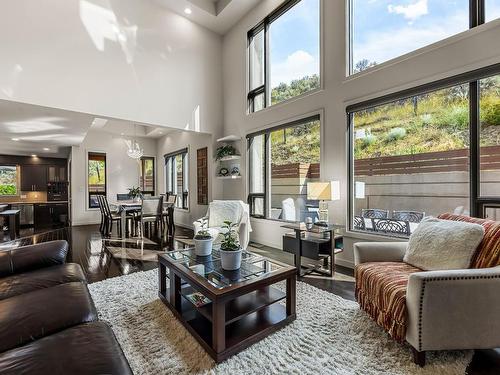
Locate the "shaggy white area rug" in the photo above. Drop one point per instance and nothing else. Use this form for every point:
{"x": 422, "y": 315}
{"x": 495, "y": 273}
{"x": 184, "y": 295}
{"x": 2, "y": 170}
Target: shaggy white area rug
{"x": 330, "y": 336}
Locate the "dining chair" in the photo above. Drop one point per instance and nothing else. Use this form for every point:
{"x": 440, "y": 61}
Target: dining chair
{"x": 374, "y": 213}
{"x": 111, "y": 217}
{"x": 168, "y": 213}
{"x": 151, "y": 212}
{"x": 102, "y": 225}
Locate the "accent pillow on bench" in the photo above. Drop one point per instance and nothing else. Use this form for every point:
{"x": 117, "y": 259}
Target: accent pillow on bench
{"x": 443, "y": 244}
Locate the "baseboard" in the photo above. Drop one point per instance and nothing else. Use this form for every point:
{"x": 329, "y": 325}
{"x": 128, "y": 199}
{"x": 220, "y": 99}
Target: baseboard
{"x": 80, "y": 223}
{"x": 344, "y": 263}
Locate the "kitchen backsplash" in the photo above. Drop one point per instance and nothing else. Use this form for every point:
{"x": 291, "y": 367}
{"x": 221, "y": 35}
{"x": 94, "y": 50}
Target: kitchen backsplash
{"x": 28, "y": 196}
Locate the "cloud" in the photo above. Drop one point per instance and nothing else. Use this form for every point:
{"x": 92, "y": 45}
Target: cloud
{"x": 297, "y": 65}
{"x": 381, "y": 46}
{"x": 411, "y": 11}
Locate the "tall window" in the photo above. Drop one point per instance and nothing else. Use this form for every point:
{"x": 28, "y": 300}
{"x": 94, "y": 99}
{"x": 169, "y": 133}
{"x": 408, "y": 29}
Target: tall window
{"x": 402, "y": 26}
{"x": 282, "y": 161}
{"x": 176, "y": 168}
{"x": 8, "y": 180}
{"x": 96, "y": 177}
{"x": 284, "y": 54}
{"x": 425, "y": 154}
{"x": 147, "y": 178}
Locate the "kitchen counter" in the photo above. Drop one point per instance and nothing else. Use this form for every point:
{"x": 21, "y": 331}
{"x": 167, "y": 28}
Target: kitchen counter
{"x": 37, "y": 202}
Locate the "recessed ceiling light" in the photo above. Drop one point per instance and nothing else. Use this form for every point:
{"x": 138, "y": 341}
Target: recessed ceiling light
{"x": 33, "y": 155}
{"x": 188, "y": 11}
{"x": 15, "y": 139}
{"x": 46, "y": 149}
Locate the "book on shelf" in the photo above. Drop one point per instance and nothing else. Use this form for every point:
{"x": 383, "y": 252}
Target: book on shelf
{"x": 198, "y": 299}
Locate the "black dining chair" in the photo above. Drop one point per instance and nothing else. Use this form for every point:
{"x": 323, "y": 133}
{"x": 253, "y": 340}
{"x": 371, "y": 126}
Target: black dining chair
{"x": 111, "y": 217}
{"x": 374, "y": 213}
{"x": 391, "y": 226}
{"x": 151, "y": 213}
{"x": 168, "y": 214}
{"x": 411, "y": 216}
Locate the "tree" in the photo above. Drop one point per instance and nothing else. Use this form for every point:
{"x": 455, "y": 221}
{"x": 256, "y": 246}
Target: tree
{"x": 297, "y": 87}
{"x": 363, "y": 64}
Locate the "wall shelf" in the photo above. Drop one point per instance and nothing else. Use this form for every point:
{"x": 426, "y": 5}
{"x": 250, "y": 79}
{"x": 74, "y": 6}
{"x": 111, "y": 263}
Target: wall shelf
{"x": 229, "y": 177}
{"x": 230, "y": 157}
{"x": 229, "y": 138}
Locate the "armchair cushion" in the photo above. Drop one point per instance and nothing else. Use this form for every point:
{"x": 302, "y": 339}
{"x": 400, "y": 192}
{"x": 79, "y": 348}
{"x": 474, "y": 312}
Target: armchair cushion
{"x": 381, "y": 292}
{"x": 443, "y": 244}
{"x": 488, "y": 251}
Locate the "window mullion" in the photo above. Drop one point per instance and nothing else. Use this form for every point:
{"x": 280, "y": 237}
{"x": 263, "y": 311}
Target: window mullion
{"x": 267, "y": 94}
{"x": 474, "y": 154}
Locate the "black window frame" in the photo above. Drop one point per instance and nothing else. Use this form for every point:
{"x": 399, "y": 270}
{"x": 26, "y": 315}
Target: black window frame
{"x": 267, "y": 161}
{"x": 264, "y": 26}
{"x": 182, "y": 199}
{"x": 477, "y": 203}
{"x": 477, "y": 16}
{"x": 89, "y": 193}
{"x": 141, "y": 177}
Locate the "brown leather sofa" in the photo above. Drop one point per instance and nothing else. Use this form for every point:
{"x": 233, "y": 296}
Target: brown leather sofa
{"x": 48, "y": 321}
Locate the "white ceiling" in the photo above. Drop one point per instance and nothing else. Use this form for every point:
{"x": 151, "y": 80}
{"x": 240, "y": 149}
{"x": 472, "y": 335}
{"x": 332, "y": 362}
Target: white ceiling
{"x": 27, "y": 129}
{"x": 217, "y": 15}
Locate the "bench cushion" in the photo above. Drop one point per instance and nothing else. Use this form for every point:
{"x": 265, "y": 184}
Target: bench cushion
{"x": 44, "y": 278}
{"x": 381, "y": 292}
{"x": 89, "y": 348}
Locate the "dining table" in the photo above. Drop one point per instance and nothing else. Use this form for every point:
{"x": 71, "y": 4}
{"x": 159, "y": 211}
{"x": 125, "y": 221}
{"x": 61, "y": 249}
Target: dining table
{"x": 124, "y": 206}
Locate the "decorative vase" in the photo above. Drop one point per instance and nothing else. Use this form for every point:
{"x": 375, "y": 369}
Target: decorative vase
{"x": 203, "y": 248}
{"x": 230, "y": 260}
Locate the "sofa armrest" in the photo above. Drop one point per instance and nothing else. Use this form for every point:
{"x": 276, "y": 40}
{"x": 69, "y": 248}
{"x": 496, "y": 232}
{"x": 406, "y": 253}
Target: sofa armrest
{"x": 28, "y": 258}
{"x": 365, "y": 252}
{"x": 454, "y": 309}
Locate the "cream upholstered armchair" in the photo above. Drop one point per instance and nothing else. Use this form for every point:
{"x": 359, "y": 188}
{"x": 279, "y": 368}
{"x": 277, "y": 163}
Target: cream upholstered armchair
{"x": 219, "y": 211}
{"x": 433, "y": 310}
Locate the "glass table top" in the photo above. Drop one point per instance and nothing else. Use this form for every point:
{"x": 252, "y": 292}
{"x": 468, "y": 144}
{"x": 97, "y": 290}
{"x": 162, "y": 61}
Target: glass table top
{"x": 209, "y": 267}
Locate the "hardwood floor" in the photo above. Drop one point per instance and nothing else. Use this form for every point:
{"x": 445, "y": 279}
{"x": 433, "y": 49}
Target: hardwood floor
{"x": 110, "y": 257}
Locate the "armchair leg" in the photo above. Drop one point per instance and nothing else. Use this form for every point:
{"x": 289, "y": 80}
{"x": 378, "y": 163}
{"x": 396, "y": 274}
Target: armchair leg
{"x": 418, "y": 357}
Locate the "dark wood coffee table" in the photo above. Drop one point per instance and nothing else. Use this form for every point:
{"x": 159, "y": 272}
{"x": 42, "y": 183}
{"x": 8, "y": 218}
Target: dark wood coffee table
{"x": 244, "y": 306}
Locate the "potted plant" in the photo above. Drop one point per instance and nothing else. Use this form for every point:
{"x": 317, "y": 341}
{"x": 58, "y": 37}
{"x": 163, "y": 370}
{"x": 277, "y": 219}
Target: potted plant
{"x": 203, "y": 242}
{"x": 226, "y": 150}
{"x": 135, "y": 193}
{"x": 230, "y": 250}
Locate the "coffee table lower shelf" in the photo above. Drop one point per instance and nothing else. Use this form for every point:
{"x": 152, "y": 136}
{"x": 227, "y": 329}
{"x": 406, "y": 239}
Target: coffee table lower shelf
{"x": 258, "y": 318}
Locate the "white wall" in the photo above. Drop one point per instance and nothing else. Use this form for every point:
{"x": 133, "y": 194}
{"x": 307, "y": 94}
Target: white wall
{"x": 125, "y": 59}
{"x": 464, "y": 52}
{"x": 193, "y": 141}
{"x": 122, "y": 172}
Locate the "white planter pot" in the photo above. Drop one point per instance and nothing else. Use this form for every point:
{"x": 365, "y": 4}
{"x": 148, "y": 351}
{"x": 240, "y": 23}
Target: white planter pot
{"x": 203, "y": 248}
{"x": 231, "y": 260}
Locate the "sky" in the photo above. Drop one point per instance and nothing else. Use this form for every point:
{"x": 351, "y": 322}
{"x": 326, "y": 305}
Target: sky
{"x": 383, "y": 29}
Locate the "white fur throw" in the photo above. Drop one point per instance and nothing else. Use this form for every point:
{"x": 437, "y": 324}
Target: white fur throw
{"x": 443, "y": 244}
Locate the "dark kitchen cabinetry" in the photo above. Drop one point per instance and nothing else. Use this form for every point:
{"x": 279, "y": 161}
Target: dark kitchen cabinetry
{"x": 33, "y": 178}
{"x": 57, "y": 173}
{"x": 51, "y": 214}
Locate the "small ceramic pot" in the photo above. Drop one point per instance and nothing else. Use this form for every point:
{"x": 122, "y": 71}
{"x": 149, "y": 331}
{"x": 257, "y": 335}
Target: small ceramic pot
{"x": 230, "y": 260}
{"x": 203, "y": 248}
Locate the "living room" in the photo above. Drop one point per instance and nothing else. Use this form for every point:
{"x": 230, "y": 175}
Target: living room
{"x": 243, "y": 186}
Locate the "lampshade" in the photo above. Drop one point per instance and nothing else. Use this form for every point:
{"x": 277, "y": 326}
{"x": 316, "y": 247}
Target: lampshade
{"x": 323, "y": 191}
{"x": 359, "y": 189}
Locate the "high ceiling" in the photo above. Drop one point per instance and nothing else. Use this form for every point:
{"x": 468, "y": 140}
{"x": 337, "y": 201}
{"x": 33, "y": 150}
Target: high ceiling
{"x": 27, "y": 129}
{"x": 217, "y": 15}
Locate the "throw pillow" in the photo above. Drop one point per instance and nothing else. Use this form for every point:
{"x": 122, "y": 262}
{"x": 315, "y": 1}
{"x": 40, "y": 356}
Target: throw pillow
{"x": 443, "y": 244}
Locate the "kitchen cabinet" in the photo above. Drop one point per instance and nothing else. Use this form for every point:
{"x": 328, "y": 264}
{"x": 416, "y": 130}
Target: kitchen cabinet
{"x": 33, "y": 178}
{"x": 50, "y": 214}
{"x": 57, "y": 173}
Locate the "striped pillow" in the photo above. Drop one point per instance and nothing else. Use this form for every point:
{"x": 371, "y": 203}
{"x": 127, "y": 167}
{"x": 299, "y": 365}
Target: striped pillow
{"x": 487, "y": 253}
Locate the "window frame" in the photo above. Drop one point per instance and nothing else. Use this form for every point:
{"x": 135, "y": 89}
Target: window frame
{"x": 477, "y": 17}
{"x": 182, "y": 201}
{"x": 264, "y": 26}
{"x": 315, "y": 116}
{"x": 18, "y": 180}
{"x": 141, "y": 177}
{"x": 477, "y": 202}
{"x": 89, "y": 193}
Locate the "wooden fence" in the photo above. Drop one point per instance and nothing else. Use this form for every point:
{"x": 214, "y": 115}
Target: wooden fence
{"x": 430, "y": 162}
{"x": 295, "y": 170}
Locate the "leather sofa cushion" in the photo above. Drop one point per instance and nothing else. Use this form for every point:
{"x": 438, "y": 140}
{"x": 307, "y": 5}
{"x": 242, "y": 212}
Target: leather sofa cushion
{"x": 40, "y": 279}
{"x": 381, "y": 292}
{"x": 84, "y": 349}
{"x": 33, "y": 315}
{"x": 487, "y": 253}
